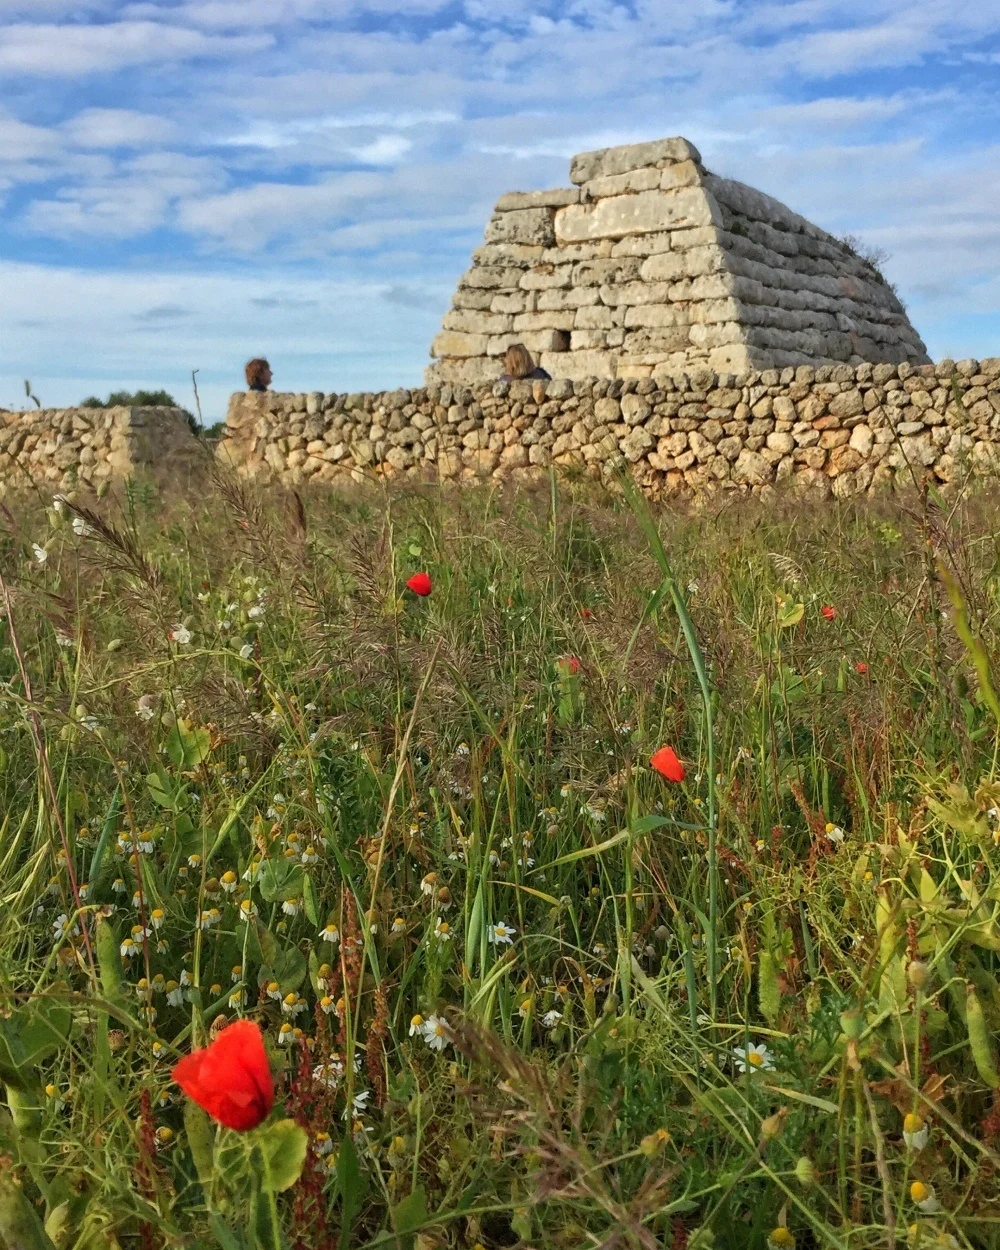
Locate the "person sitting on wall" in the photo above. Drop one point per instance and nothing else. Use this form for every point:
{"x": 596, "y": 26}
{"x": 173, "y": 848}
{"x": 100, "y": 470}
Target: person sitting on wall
{"x": 518, "y": 365}
{"x": 258, "y": 373}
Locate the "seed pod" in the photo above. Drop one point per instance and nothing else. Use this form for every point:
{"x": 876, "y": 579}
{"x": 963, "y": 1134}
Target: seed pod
{"x": 918, "y": 973}
{"x": 768, "y": 993}
{"x": 979, "y": 1039}
{"x": 805, "y": 1173}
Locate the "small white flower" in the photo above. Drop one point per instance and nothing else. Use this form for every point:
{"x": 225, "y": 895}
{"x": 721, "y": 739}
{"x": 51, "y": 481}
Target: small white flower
{"x": 40, "y": 554}
{"x": 180, "y": 634}
{"x": 417, "y": 1025}
{"x": 442, "y": 931}
{"x": 754, "y": 1057}
{"x": 248, "y": 910}
{"x": 59, "y": 503}
{"x": 175, "y": 995}
{"x": 64, "y": 640}
{"x": 256, "y": 612}
{"x": 290, "y": 906}
{"x": 925, "y": 1197}
{"x": 551, "y": 1019}
{"x": 246, "y": 651}
{"x": 501, "y": 934}
{"x": 437, "y": 1035}
{"x": 330, "y": 934}
{"x": 127, "y": 949}
{"x": 80, "y": 527}
{"x": 835, "y": 834}
{"x": 145, "y": 709}
{"x": 286, "y": 1035}
{"x": 915, "y": 1131}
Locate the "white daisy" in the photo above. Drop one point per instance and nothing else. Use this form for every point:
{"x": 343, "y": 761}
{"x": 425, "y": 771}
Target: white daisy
{"x": 437, "y": 1035}
{"x": 754, "y": 1057}
{"x": 501, "y": 934}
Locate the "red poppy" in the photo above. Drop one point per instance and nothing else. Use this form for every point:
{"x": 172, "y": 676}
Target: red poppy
{"x": 861, "y": 667}
{"x": 568, "y": 664}
{"x": 829, "y": 611}
{"x": 231, "y": 1078}
{"x": 420, "y": 584}
{"x": 586, "y": 613}
{"x": 667, "y": 764}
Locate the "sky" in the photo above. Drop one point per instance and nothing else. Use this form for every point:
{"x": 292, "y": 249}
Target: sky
{"x": 188, "y": 183}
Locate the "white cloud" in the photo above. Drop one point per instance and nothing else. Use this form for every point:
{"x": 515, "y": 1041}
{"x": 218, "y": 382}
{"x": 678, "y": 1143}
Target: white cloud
{"x": 117, "y": 128}
{"x": 128, "y": 199}
{"x": 85, "y": 332}
{"x": 59, "y": 51}
{"x": 385, "y": 150}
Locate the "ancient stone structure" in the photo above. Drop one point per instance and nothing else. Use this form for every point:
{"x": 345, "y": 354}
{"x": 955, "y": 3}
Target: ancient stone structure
{"x": 649, "y": 265}
{"x": 66, "y": 446}
{"x": 841, "y": 429}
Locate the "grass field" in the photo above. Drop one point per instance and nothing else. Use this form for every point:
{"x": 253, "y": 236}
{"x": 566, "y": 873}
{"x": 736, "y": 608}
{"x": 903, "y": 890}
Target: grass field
{"x": 517, "y": 986}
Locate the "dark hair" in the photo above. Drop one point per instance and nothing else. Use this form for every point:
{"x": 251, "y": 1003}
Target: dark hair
{"x": 255, "y": 371}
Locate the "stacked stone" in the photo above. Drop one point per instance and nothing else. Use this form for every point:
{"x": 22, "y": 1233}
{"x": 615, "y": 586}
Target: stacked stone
{"x": 67, "y": 446}
{"x": 838, "y": 429}
{"x": 651, "y": 266}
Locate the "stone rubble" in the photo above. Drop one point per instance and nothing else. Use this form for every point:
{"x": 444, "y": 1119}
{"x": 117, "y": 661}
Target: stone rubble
{"x": 836, "y": 429}
{"x": 70, "y": 446}
{"x": 650, "y": 266}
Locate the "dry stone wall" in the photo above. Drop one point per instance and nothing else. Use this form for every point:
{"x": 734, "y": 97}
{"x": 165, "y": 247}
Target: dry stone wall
{"x": 650, "y": 265}
{"x": 840, "y": 429}
{"x": 66, "y": 446}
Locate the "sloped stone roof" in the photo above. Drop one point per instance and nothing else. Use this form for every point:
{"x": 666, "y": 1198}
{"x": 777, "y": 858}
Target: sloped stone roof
{"x": 648, "y": 265}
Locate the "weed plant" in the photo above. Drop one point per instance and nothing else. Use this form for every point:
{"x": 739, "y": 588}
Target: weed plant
{"x": 517, "y": 987}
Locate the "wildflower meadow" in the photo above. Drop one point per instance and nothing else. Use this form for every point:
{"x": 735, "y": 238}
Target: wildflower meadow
{"x": 423, "y": 867}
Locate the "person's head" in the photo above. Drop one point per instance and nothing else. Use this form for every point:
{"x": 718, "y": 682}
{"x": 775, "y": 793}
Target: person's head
{"x": 517, "y": 361}
{"x": 258, "y": 372}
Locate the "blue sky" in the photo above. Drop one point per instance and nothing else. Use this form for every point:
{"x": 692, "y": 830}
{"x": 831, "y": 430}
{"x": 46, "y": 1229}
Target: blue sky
{"x": 186, "y": 183}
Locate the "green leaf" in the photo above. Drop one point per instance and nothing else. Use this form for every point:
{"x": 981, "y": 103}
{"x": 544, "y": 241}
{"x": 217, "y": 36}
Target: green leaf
{"x": 283, "y": 1145}
{"x": 352, "y": 1184}
{"x": 188, "y": 745}
{"x": 289, "y": 969}
{"x": 411, "y": 1212}
{"x": 309, "y": 899}
{"x": 279, "y": 879}
{"x": 201, "y": 1142}
{"x": 790, "y": 614}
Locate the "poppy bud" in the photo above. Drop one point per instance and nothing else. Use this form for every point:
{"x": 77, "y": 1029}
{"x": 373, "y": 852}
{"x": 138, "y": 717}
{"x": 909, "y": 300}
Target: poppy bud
{"x": 420, "y": 584}
{"x": 667, "y": 764}
{"x": 230, "y": 1078}
{"x": 829, "y": 612}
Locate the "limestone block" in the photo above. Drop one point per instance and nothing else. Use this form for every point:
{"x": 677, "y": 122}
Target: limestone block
{"x": 471, "y": 321}
{"x": 646, "y": 179}
{"x": 648, "y": 211}
{"x": 607, "y": 161}
{"x": 664, "y": 314}
{"x": 578, "y": 365}
{"x": 579, "y": 297}
{"x": 665, "y": 267}
{"x": 636, "y": 443}
{"x": 451, "y": 343}
{"x": 582, "y": 339}
{"x": 752, "y": 469}
{"x": 555, "y": 198}
{"x": 643, "y": 244}
{"x": 594, "y": 318}
{"x": 544, "y": 277}
{"x": 522, "y": 225}
{"x": 511, "y": 302}
{"x": 548, "y": 320}
{"x": 503, "y": 277}
{"x": 635, "y": 293}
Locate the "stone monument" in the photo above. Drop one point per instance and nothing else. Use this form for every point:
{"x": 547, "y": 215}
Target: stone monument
{"x": 650, "y": 266}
